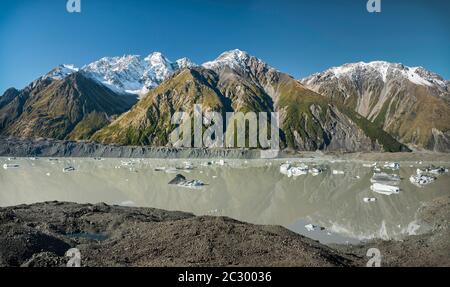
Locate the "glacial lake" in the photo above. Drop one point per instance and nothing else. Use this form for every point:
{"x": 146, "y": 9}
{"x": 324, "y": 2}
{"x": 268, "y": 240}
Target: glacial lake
{"x": 248, "y": 190}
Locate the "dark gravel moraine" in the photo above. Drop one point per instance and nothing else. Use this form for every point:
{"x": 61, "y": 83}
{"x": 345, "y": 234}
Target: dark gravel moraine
{"x": 38, "y": 235}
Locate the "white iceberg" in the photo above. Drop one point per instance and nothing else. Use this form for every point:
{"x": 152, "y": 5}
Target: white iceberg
{"x": 316, "y": 171}
{"x": 68, "y": 169}
{"x": 385, "y": 178}
{"x": 338, "y": 172}
{"x": 284, "y": 168}
{"x": 370, "y": 164}
{"x": 421, "y": 179}
{"x": 220, "y": 162}
{"x": 181, "y": 181}
{"x": 312, "y": 227}
{"x": 191, "y": 183}
{"x": 10, "y": 165}
{"x": 392, "y": 165}
{"x": 369, "y": 199}
{"x": 171, "y": 170}
{"x": 290, "y": 171}
{"x": 385, "y": 189}
{"x": 435, "y": 170}
{"x": 127, "y": 163}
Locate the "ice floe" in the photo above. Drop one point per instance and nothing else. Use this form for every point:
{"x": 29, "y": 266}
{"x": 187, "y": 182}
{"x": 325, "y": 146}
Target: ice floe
{"x": 10, "y": 166}
{"x": 426, "y": 176}
{"x": 338, "y": 172}
{"x": 68, "y": 169}
{"x": 127, "y": 163}
{"x": 421, "y": 179}
{"x": 433, "y": 170}
{"x": 181, "y": 181}
{"x": 392, "y": 165}
{"x": 370, "y": 164}
{"x": 316, "y": 171}
{"x": 311, "y": 227}
{"x": 369, "y": 199}
{"x": 383, "y": 177}
{"x": 385, "y": 189}
{"x": 294, "y": 171}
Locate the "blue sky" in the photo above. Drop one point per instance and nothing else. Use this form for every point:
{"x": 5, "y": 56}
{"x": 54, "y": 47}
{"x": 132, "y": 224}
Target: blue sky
{"x": 298, "y": 37}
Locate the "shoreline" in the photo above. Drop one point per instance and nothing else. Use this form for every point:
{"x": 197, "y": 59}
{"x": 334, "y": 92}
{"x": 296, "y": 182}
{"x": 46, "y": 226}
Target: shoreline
{"x": 10, "y": 147}
{"x": 39, "y": 235}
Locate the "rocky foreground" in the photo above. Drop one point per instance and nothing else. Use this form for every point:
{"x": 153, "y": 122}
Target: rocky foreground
{"x": 39, "y": 235}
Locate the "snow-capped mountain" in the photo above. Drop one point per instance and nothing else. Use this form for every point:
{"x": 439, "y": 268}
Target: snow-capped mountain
{"x": 384, "y": 71}
{"x": 233, "y": 59}
{"x": 396, "y": 104}
{"x": 128, "y": 74}
{"x": 134, "y": 74}
{"x": 60, "y": 72}
{"x": 236, "y": 60}
{"x": 410, "y": 103}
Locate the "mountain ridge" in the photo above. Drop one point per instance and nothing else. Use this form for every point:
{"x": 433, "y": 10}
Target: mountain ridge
{"x": 328, "y": 110}
{"x": 412, "y": 104}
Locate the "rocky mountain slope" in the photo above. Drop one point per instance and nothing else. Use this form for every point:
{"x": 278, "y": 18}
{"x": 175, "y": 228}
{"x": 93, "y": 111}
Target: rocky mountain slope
{"x": 411, "y": 104}
{"x": 355, "y": 107}
{"x": 237, "y": 81}
{"x": 62, "y": 107}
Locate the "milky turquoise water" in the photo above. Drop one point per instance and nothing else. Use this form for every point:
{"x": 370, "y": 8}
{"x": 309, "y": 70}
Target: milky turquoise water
{"x": 252, "y": 191}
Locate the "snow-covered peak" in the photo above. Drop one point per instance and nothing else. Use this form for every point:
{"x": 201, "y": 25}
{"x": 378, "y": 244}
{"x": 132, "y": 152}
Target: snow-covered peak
{"x": 157, "y": 58}
{"x": 133, "y": 73}
{"x": 61, "y": 72}
{"x": 382, "y": 70}
{"x": 233, "y": 59}
{"x": 184, "y": 63}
